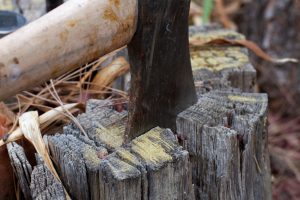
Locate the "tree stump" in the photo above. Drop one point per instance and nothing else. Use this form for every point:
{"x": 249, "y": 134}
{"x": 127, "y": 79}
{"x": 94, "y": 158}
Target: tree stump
{"x": 136, "y": 171}
{"x": 220, "y": 151}
{"x": 220, "y": 67}
{"x": 225, "y": 134}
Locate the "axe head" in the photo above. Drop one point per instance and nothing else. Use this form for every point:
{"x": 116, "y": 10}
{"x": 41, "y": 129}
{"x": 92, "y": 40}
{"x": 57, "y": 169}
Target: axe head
{"x": 162, "y": 82}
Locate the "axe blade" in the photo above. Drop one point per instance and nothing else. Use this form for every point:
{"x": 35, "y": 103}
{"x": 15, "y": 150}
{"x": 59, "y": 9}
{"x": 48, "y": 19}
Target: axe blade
{"x": 162, "y": 82}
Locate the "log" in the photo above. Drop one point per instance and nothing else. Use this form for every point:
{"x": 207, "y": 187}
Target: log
{"x": 226, "y": 136}
{"x": 220, "y": 67}
{"x": 63, "y": 39}
{"x": 135, "y": 171}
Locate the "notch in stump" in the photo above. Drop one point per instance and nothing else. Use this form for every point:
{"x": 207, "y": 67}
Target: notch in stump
{"x": 162, "y": 81}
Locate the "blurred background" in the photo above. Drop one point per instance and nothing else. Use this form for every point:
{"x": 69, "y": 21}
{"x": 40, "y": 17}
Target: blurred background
{"x": 274, "y": 25}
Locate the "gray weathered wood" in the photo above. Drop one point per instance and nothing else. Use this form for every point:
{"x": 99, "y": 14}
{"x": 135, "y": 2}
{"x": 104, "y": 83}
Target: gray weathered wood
{"x": 39, "y": 183}
{"x": 136, "y": 171}
{"x": 226, "y": 136}
{"x": 131, "y": 173}
{"x": 224, "y": 139}
{"x": 103, "y": 125}
{"x": 69, "y": 156}
{"x": 220, "y": 67}
{"x": 21, "y": 167}
{"x": 44, "y": 185}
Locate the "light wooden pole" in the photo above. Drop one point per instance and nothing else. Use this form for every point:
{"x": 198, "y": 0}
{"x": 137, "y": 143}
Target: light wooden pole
{"x": 71, "y": 35}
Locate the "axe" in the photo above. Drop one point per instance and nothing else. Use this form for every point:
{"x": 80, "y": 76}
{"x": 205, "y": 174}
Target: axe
{"x": 80, "y": 31}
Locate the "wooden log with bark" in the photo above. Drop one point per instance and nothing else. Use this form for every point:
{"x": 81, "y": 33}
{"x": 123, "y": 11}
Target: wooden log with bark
{"x": 224, "y": 136}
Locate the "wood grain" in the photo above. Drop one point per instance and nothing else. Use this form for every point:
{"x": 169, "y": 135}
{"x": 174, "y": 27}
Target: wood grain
{"x": 226, "y": 136}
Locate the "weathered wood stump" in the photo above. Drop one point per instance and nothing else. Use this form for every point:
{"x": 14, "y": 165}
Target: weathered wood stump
{"x": 135, "y": 171}
{"x": 226, "y": 137}
{"x": 37, "y": 183}
{"x": 225, "y": 133}
{"x": 220, "y": 67}
{"x": 21, "y": 167}
{"x": 223, "y": 152}
{"x": 44, "y": 185}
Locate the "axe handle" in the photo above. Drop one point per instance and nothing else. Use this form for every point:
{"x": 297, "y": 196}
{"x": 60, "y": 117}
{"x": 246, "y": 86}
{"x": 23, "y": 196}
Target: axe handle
{"x": 71, "y": 35}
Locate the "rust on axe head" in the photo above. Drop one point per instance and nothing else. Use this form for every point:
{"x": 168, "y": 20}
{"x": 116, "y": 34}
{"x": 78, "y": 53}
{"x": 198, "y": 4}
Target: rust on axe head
{"x": 162, "y": 81}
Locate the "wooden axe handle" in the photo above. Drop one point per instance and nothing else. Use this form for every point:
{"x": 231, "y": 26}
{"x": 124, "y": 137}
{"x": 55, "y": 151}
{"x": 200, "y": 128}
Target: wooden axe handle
{"x": 75, "y": 33}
